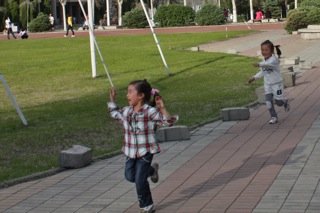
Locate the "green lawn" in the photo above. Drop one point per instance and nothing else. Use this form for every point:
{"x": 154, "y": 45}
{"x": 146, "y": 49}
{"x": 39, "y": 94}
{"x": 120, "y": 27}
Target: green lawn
{"x": 51, "y": 81}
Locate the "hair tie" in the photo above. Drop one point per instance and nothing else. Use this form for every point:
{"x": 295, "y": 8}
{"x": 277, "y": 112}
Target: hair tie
{"x": 154, "y": 91}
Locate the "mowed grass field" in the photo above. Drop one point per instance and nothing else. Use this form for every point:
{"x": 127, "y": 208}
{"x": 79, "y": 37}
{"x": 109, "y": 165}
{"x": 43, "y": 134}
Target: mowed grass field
{"x": 52, "y": 82}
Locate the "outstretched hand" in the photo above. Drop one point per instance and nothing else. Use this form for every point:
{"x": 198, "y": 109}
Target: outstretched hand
{"x": 251, "y": 80}
{"x": 159, "y": 102}
{"x": 255, "y": 64}
{"x": 113, "y": 94}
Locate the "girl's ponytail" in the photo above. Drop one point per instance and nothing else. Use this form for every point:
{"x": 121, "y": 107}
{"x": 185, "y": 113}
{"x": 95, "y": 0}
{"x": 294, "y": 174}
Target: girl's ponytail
{"x": 278, "y": 50}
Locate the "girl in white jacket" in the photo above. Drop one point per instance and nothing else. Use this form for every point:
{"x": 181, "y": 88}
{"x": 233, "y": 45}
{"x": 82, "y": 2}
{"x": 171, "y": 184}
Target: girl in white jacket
{"x": 273, "y": 81}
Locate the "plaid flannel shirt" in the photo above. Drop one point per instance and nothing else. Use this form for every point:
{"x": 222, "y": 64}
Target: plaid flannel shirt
{"x": 139, "y": 128}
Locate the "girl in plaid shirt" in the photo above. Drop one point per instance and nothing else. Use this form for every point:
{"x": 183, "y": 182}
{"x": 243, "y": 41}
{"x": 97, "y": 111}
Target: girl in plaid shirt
{"x": 139, "y": 121}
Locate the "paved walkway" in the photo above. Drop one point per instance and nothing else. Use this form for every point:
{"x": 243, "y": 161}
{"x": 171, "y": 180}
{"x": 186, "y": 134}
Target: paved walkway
{"x": 245, "y": 166}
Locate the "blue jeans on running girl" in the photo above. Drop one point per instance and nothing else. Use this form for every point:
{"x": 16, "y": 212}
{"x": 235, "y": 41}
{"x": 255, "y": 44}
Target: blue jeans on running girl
{"x": 137, "y": 171}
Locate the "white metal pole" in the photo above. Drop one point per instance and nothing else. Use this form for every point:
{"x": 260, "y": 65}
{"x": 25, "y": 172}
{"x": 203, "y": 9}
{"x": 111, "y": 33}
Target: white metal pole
{"x": 251, "y": 11}
{"x": 95, "y": 42}
{"x": 108, "y": 13}
{"x": 155, "y": 36}
{"x": 151, "y": 7}
{"x": 226, "y": 31}
{"x": 13, "y": 100}
{"x": 91, "y": 32}
{"x": 63, "y": 4}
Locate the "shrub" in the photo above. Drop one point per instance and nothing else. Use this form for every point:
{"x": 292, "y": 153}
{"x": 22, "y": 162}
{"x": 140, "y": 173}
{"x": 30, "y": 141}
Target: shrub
{"x": 301, "y": 18}
{"x": 209, "y": 15}
{"x": 310, "y": 3}
{"x": 40, "y": 24}
{"x": 241, "y": 18}
{"x": 135, "y": 18}
{"x": 174, "y": 15}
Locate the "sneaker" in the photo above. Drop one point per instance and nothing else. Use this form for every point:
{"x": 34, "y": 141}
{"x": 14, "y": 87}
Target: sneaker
{"x": 151, "y": 210}
{"x": 65, "y": 36}
{"x": 155, "y": 176}
{"x": 73, "y": 36}
{"x": 273, "y": 120}
{"x": 287, "y": 106}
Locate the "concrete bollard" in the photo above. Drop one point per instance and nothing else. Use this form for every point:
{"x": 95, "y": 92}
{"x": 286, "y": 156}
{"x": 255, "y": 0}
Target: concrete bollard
{"x": 291, "y": 61}
{"x": 235, "y": 113}
{"x": 195, "y": 49}
{"x": 289, "y": 79}
{"x": 174, "y": 133}
{"x": 76, "y": 157}
{"x": 232, "y": 51}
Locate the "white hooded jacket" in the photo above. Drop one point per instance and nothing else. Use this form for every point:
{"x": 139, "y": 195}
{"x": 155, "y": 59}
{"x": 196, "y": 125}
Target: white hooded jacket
{"x": 270, "y": 70}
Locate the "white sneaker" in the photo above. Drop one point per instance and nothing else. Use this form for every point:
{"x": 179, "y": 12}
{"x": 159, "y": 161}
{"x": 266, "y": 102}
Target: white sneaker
{"x": 273, "y": 120}
{"x": 287, "y": 106}
{"x": 73, "y": 36}
{"x": 65, "y": 36}
{"x": 148, "y": 209}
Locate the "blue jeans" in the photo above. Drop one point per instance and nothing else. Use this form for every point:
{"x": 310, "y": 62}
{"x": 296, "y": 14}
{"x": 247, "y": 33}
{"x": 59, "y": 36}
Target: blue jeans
{"x": 69, "y": 27}
{"x": 137, "y": 171}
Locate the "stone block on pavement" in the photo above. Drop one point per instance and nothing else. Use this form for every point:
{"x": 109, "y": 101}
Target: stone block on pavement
{"x": 289, "y": 79}
{"x": 195, "y": 49}
{"x": 310, "y": 33}
{"x": 174, "y": 133}
{"x": 286, "y": 69}
{"x": 235, "y": 113}
{"x": 303, "y": 64}
{"x": 75, "y": 157}
{"x": 291, "y": 61}
{"x": 232, "y": 51}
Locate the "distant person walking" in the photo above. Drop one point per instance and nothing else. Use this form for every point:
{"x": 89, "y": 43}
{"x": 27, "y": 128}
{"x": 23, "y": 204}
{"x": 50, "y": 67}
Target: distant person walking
{"x": 226, "y": 15}
{"x": 51, "y": 19}
{"x": 268, "y": 14}
{"x": 70, "y": 26}
{"x": 273, "y": 81}
{"x": 259, "y": 15}
{"x": 9, "y": 28}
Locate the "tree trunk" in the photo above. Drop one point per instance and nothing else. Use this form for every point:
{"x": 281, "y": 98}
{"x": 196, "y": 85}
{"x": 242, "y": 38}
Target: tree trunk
{"x": 251, "y": 10}
{"x": 120, "y": 12}
{"x": 234, "y": 11}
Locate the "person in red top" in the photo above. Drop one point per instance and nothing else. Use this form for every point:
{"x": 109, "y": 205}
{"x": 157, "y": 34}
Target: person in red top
{"x": 139, "y": 121}
{"x": 259, "y": 15}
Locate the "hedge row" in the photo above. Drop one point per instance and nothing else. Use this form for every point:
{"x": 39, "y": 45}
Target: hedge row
{"x": 174, "y": 15}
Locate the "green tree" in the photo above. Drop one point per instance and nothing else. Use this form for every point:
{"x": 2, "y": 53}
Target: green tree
{"x": 46, "y": 6}
{"x": 14, "y": 11}
{"x": 274, "y": 6}
{"x": 30, "y": 7}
